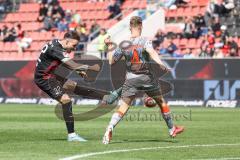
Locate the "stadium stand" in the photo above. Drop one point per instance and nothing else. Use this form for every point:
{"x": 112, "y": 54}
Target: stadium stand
{"x": 28, "y": 13}
{"x": 189, "y": 26}
{"x": 200, "y": 28}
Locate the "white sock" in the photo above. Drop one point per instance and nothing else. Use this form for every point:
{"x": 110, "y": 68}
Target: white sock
{"x": 171, "y": 130}
{"x": 116, "y": 117}
{"x": 72, "y": 134}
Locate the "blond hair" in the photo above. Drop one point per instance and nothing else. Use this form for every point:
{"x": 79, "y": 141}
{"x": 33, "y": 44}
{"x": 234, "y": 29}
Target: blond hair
{"x": 135, "y": 21}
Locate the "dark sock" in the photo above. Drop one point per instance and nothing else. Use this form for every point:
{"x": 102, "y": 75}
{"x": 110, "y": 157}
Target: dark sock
{"x": 88, "y": 92}
{"x": 68, "y": 116}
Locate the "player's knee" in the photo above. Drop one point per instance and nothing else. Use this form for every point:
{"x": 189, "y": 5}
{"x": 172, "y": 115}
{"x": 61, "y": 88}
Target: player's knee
{"x": 127, "y": 100}
{"x": 123, "y": 108}
{"x": 65, "y": 99}
{"x": 70, "y": 85}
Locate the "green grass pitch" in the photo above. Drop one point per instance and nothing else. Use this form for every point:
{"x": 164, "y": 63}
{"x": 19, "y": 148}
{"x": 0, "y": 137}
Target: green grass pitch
{"x": 32, "y": 132}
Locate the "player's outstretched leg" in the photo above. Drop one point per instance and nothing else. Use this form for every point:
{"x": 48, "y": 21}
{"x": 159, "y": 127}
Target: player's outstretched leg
{"x": 116, "y": 118}
{"x": 69, "y": 119}
{"x": 92, "y": 93}
{"x": 112, "y": 97}
{"x": 166, "y": 114}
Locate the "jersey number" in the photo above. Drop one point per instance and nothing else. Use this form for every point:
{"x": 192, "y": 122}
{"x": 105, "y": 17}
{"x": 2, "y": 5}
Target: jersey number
{"x": 42, "y": 51}
{"x": 135, "y": 57}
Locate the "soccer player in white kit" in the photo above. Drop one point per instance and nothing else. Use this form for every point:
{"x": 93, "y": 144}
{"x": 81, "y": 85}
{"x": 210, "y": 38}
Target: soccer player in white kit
{"x": 139, "y": 76}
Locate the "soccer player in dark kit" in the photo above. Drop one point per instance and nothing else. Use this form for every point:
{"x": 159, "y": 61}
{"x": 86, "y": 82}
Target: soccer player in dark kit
{"x": 54, "y": 54}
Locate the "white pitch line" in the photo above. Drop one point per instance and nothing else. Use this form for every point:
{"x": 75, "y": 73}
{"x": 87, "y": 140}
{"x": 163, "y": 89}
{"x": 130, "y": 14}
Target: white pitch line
{"x": 225, "y": 158}
{"x": 140, "y": 149}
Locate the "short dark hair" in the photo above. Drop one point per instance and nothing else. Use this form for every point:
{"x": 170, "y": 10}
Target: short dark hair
{"x": 72, "y": 35}
{"x": 135, "y": 21}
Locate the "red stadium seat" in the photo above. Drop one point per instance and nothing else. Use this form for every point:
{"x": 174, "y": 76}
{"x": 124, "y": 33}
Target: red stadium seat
{"x": 192, "y": 43}
{"x": 10, "y": 46}
{"x": 176, "y": 41}
{"x": 183, "y": 43}
{"x": 29, "y": 7}
{"x": 34, "y": 36}
{"x": 1, "y": 46}
{"x": 31, "y": 26}
{"x": 28, "y": 13}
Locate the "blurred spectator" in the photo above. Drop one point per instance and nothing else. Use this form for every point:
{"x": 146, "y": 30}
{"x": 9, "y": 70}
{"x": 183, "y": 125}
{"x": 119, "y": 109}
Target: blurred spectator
{"x": 200, "y": 25}
{"x": 114, "y": 9}
{"x": 218, "y": 53}
{"x": 10, "y": 35}
{"x": 224, "y": 32}
{"x": 82, "y": 31}
{"x": 219, "y": 8}
{"x": 159, "y": 38}
{"x": 5, "y": 6}
{"x": 82, "y": 42}
{"x": 23, "y": 43}
{"x": 120, "y": 2}
{"x": 189, "y": 30}
{"x": 163, "y": 49}
{"x": 62, "y": 25}
{"x": 68, "y": 16}
{"x": 94, "y": 30}
{"x": 210, "y": 38}
{"x": 225, "y": 50}
{"x": 76, "y": 20}
{"x": 82, "y": 28}
{"x": 173, "y": 4}
{"x": 101, "y": 45}
{"x": 43, "y": 1}
{"x": 95, "y": 26}
{"x": 72, "y": 26}
{"x": 42, "y": 12}
{"x": 171, "y": 47}
{"x": 205, "y": 51}
{"x": 4, "y": 32}
{"x": 199, "y": 21}
{"x": 209, "y": 14}
{"x": 53, "y": 2}
{"x": 48, "y": 23}
{"x": 168, "y": 3}
{"x": 218, "y": 42}
{"x": 233, "y": 47}
{"x": 168, "y": 48}
{"x": 181, "y": 2}
{"x": 57, "y": 13}
{"x": 50, "y": 2}
{"x": 229, "y": 5}
{"x": 19, "y": 31}
{"x": 216, "y": 26}
{"x": 188, "y": 53}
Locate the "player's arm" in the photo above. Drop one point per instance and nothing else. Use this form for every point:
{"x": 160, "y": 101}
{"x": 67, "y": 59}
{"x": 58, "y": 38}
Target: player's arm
{"x": 154, "y": 55}
{"x": 113, "y": 55}
{"x": 69, "y": 63}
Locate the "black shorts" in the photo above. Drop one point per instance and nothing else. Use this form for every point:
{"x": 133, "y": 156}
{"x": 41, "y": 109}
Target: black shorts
{"x": 145, "y": 83}
{"x": 53, "y": 87}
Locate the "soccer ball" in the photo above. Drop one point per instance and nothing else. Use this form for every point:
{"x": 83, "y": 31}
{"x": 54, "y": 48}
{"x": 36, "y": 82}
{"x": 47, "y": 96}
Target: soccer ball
{"x": 149, "y": 102}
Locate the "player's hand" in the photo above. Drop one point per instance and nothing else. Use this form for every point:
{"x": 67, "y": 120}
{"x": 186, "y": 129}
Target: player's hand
{"x": 164, "y": 68}
{"x": 108, "y": 41}
{"x": 82, "y": 74}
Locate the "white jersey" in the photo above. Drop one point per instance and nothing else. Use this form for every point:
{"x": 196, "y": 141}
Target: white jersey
{"x": 136, "y": 57}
